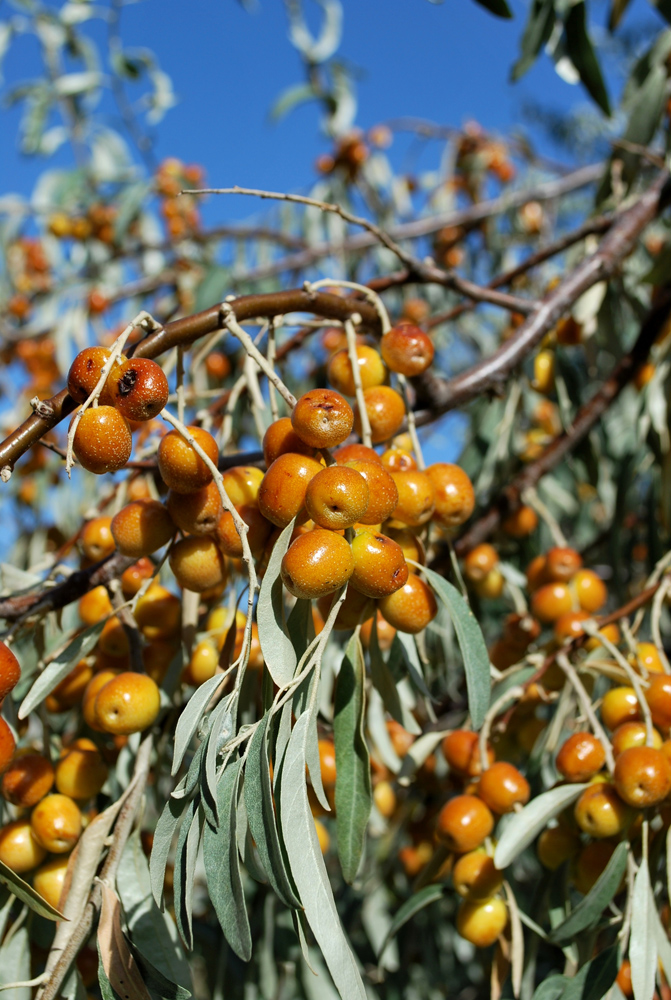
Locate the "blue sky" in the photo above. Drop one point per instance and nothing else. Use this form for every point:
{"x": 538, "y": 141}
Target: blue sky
{"x": 447, "y": 62}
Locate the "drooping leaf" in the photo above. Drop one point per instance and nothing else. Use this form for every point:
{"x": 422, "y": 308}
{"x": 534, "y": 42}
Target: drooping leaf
{"x": 222, "y": 866}
{"x": 185, "y": 866}
{"x": 290, "y": 98}
{"x": 525, "y": 825}
{"x": 590, "y": 908}
{"x": 540, "y": 22}
{"x": 472, "y": 645}
{"x": 429, "y": 894}
{"x": 497, "y": 7}
{"x": 261, "y": 815}
{"x": 353, "y": 795}
{"x": 15, "y": 965}
{"x": 643, "y": 942}
{"x": 158, "y": 985}
{"x": 309, "y": 870}
{"x": 221, "y": 729}
{"x": 117, "y": 959}
{"x": 276, "y": 645}
{"x": 189, "y": 720}
{"x": 384, "y": 682}
{"x": 27, "y": 894}
{"x": 591, "y": 982}
{"x": 59, "y": 668}
{"x": 581, "y": 53}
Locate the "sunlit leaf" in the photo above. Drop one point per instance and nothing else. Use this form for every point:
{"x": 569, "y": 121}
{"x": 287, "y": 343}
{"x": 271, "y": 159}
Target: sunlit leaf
{"x": 524, "y": 826}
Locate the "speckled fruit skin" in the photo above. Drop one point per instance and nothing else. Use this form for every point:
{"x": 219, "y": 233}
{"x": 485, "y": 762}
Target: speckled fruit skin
{"x": 242, "y": 484}
{"x": 590, "y": 590}
{"x": 142, "y": 527}
{"x": 81, "y": 772}
{"x": 139, "y": 389}
{"x": 96, "y": 538}
{"x": 322, "y": 418}
{"x": 56, "y": 823}
{"x": 455, "y": 498}
{"x": 475, "y": 877}
{"x": 355, "y": 609}
{"x": 411, "y": 544}
{"x": 372, "y": 371}
{"x": 398, "y": 460}
{"x": 94, "y": 605}
{"x": 85, "y": 371}
{"x": 352, "y": 452}
{"x": 10, "y": 670}
{"x": 383, "y": 492}
{"x": 198, "y": 563}
{"x": 380, "y": 568}
{"x": 480, "y": 561}
{"x": 386, "y": 412}
{"x": 642, "y": 776}
{"x": 317, "y": 564}
{"x": 258, "y": 534}
{"x": 416, "y": 497}
{"x": 7, "y": 744}
{"x": 337, "y": 497}
{"x": 580, "y": 757}
{"x": 27, "y": 780}
{"x": 127, "y": 704}
{"x": 619, "y": 705}
{"x": 551, "y": 601}
{"x": 282, "y": 491}
{"x": 481, "y": 923}
{"x": 600, "y": 811}
{"x": 181, "y": 469}
{"x": 658, "y": 697}
{"x": 158, "y": 613}
{"x": 411, "y": 608}
{"x": 49, "y": 880}
{"x": 502, "y": 787}
{"x": 463, "y": 823}
{"x": 196, "y": 513}
{"x": 19, "y": 849}
{"x": 281, "y": 438}
{"x": 103, "y": 440}
{"x": 407, "y": 350}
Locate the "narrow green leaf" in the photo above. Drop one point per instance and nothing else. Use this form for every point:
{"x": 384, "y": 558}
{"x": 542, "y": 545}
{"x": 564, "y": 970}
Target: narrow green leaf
{"x": 153, "y": 933}
{"x": 222, "y": 866}
{"x": 290, "y": 99}
{"x": 27, "y": 894}
{"x": 383, "y": 679}
{"x": 419, "y": 901}
{"x": 309, "y": 870}
{"x": 589, "y": 910}
{"x": 15, "y": 965}
{"x": 278, "y": 651}
{"x": 591, "y": 982}
{"x": 59, "y": 668}
{"x": 189, "y": 720}
{"x": 261, "y": 815}
{"x": 643, "y": 942}
{"x": 299, "y": 625}
{"x": 353, "y": 795}
{"x": 472, "y": 645}
{"x": 497, "y": 7}
{"x": 581, "y": 53}
{"x": 185, "y": 865}
{"x": 537, "y": 32}
{"x": 524, "y": 826}
{"x": 221, "y": 729}
{"x": 158, "y": 985}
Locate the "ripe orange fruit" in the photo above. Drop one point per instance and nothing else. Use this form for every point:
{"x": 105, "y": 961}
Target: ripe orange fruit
{"x": 463, "y": 823}
{"x": 102, "y": 441}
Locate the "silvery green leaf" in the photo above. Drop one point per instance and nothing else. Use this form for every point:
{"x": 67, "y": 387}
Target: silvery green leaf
{"x": 472, "y": 645}
{"x": 405, "y": 645}
{"x": 384, "y": 682}
{"x": 221, "y": 730}
{"x": 643, "y": 942}
{"x": 185, "y": 867}
{"x": 589, "y": 910}
{"x": 25, "y": 892}
{"x": 222, "y": 866}
{"x": 189, "y": 720}
{"x": 261, "y": 815}
{"x": 353, "y": 795}
{"x": 15, "y": 965}
{"x": 276, "y": 645}
{"x": 152, "y": 932}
{"x": 524, "y": 826}
{"x": 158, "y": 985}
{"x": 164, "y": 833}
{"x": 309, "y": 870}
{"x": 417, "y": 754}
{"x": 377, "y": 728}
{"x": 59, "y": 668}
{"x": 418, "y": 901}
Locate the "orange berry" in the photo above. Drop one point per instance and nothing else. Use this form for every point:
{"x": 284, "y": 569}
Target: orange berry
{"x": 317, "y": 564}
{"x": 502, "y": 787}
{"x": 463, "y": 823}
{"x": 648, "y": 655}
{"x": 337, "y": 497}
{"x": 280, "y": 439}
{"x": 398, "y": 460}
{"x": 642, "y": 776}
{"x": 203, "y": 663}
{"x": 282, "y": 491}
{"x": 7, "y": 745}
{"x": 561, "y": 564}
{"x": 401, "y": 739}
{"x": 633, "y": 734}
{"x": 198, "y": 563}
{"x": 580, "y": 757}
{"x": 600, "y": 812}
{"x": 384, "y": 798}
{"x": 135, "y": 576}
{"x": 196, "y": 513}
{"x": 259, "y": 531}
{"x": 71, "y": 689}
{"x": 623, "y": 979}
{"x": 142, "y": 527}
{"x": 386, "y": 412}
{"x": 407, "y": 349}
{"x": 658, "y": 697}
{"x": 81, "y": 771}
{"x": 483, "y": 922}
{"x": 158, "y": 613}
{"x": 380, "y": 568}
{"x": 96, "y": 538}
{"x": 352, "y": 452}
{"x": 181, "y": 468}
{"x": 94, "y": 606}
{"x": 590, "y": 590}
{"x": 85, "y": 373}
{"x": 56, "y": 823}
{"x": 242, "y": 484}
{"x": 98, "y": 303}
{"x": 491, "y": 587}
{"x": 551, "y": 601}
{"x": 322, "y": 418}
{"x": 382, "y": 490}
{"x": 521, "y": 522}
{"x": 371, "y": 370}
{"x": 462, "y": 753}
{"x": 619, "y": 705}
{"x": 140, "y": 389}
{"x": 127, "y": 704}
{"x": 411, "y": 544}
{"x": 19, "y": 849}
{"x": 569, "y": 626}
{"x": 556, "y": 845}
{"x": 475, "y": 877}
{"x": 536, "y": 573}
{"x": 416, "y": 497}
{"x": 412, "y": 607}
{"x": 355, "y": 609}
{"x": 102, "y": 441}
{"x": 455, "y": 498}
{"x": 10, "y": 670}
{"x": 590, "y": 863}
{"x": 385, "y": 633}
{"x": 479, "y": 562}
{"x": 327, "y": 763}
{"x": 49, "y": 880}
{"x": 28, "y": 779}
{"x": 322, "y": 836}
{"x": 544, "y": 372}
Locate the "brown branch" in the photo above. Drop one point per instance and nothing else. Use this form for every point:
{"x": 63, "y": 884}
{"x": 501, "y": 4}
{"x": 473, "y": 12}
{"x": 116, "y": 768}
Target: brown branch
{"x": 586, "y": 417}
{"x": 491, "y": 373}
